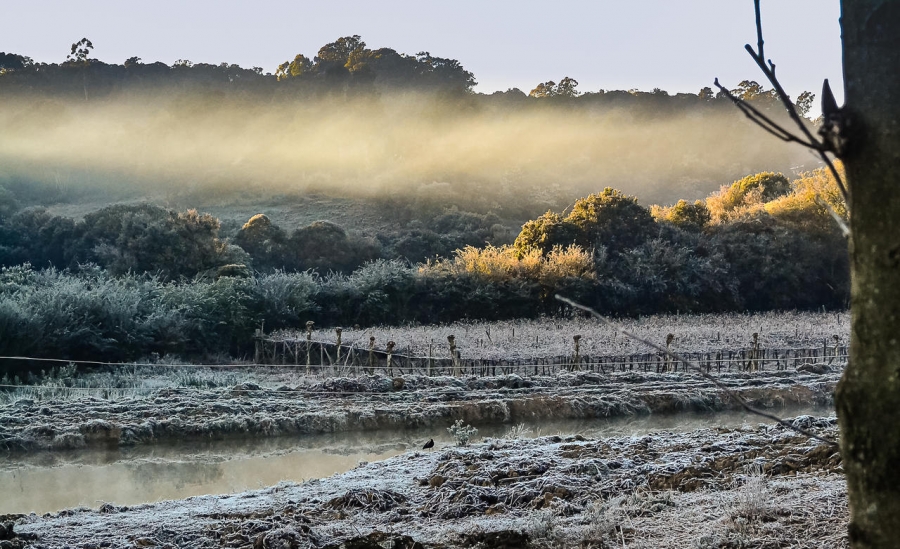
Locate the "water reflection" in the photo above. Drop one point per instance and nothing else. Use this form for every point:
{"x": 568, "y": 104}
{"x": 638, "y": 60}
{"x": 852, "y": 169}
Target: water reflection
{"x": 127, "y": 476}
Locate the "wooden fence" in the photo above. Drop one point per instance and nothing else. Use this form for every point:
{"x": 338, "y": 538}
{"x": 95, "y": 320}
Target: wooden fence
{"x": 327, "y": 358}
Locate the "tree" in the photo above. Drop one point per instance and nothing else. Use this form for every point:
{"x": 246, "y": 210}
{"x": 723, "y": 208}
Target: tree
{"x": 865, "y": 132}
{"x": 565, "y": 88}
{"x": 147, "y": 238}
{"x": 264, "y": 241}
{"x": 80, "y": 51}
{"x": 79, "y": 57}
{"x": 804, "y": 102}
{"x": 864, "y": 135}
{"x": 13, "y": 62}
{"x": 443, "y": 73}
{"x": 293, "y": 69}
{"x": 706, "y": 94}
{"x": 544, "y": 89}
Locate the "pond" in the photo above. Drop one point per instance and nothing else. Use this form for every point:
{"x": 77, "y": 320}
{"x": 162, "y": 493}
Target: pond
{"x": 52, "y": 481}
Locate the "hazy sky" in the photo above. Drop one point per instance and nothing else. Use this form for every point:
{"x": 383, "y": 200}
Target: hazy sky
{"x": 677, "y": 45}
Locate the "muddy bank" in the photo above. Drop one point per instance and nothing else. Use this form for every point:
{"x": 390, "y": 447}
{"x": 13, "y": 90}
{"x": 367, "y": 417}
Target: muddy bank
{"x": 760, "y": 486}
{"x": 377, "y": 402}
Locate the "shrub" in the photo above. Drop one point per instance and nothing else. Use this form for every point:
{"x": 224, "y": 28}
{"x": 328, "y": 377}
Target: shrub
{"x": 544, "y": 233}
{"x": 284, "y": 299}
{"x": 264, "y": 241}
{"x": 746, "y": 195}
{"x": 91, "y": 314}
{"x": 690, "y": 217}
{"x": 37, "y": 237}
{"x": 462, "y": 433}
{"x": 609, "y": 219}
{"x": 147, "y": 238}
{"x": 8, "y": 204}
{"x": 802, "y": 207}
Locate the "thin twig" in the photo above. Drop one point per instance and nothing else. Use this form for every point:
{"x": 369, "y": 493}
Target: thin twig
{"x": 734, "y": 396}
{"x": 759, "y": 35}
{"x": 845, "y": 230}
{"x": 808, "y": 139}
{"x": 769, "y": 71}
{"x": 763, "y": 121}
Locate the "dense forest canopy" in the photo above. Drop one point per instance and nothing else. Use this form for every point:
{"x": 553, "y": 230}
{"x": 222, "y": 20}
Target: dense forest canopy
{"x": 361, "y": 121}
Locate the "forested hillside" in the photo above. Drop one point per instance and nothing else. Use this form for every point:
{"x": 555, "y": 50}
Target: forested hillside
{"x": 475, "y": 206}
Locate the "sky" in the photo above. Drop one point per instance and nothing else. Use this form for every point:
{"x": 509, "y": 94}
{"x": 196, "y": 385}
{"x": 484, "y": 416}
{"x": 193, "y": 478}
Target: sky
{"x": 676, "y": 45}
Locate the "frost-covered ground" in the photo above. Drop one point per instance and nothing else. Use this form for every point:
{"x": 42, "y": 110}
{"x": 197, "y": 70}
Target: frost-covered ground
{"x": 37, "y": 422}
{"x": 761, "y": 486}
{"x": 529, "y": 339}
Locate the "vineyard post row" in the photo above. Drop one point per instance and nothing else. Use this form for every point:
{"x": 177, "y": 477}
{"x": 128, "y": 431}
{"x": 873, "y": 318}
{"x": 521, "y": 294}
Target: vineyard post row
{"x": 322, "y": 357}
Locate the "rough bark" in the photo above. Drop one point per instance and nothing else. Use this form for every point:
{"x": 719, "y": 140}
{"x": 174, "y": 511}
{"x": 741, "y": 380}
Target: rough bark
{"x": 868, "y": 396}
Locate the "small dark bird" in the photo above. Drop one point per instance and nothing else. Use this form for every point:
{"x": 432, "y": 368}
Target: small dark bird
{"x": 429, "y": 444}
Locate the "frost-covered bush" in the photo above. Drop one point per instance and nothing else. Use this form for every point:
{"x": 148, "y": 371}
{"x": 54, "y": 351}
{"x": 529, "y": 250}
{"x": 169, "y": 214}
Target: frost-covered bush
{"x": 146, "y": 238}
{"x": 285, "y": 299}
{"x": 375, "y": 292}
{"x": 89, "y": 314}
{"x": 462, "y": 433}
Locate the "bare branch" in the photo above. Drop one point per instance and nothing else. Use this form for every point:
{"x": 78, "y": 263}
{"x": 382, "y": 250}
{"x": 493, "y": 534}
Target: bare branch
{"x": 845, "y": 230}
{"x": 764, "y": 121}
{"x": 769, "y": 71}
{"x": 759, "y": 36}
{"x": 734, "y": 396}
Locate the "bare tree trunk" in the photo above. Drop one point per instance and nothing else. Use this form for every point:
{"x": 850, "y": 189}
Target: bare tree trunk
{"x": 868, "y": 396}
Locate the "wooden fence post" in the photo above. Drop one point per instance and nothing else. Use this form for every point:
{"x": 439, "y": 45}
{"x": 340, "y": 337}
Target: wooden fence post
{"x": 577, "y": 359}
{"x": 669, "y": 339}
{"x": 390, "y": 356}
{"x": 452, "y": 340}
{"x": 338, "y": 331}
{"x": 309, "y": 327}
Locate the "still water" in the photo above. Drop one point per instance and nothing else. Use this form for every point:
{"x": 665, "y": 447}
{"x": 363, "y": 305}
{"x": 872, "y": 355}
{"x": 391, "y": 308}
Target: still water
{"x": 49, "y": 482}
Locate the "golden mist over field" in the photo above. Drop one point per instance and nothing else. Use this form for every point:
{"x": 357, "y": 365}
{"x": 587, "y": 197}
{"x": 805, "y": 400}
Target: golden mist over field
{"x": 371, "y": 145}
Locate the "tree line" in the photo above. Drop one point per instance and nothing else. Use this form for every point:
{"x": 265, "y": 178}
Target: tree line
{"x": 346, "y": 66}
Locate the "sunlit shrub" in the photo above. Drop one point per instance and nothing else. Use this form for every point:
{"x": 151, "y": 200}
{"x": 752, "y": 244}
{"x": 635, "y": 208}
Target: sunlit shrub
{"x": 545, "y": 232}
{"x": 802, "y": 206}
{"x": 746, "y": 196}
{"x": 609, "y": 218}
{"x": 684, "y": 215}
{"x": 506, "y": 262}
